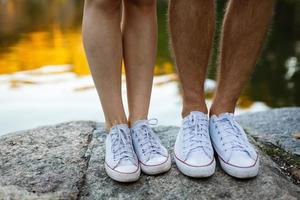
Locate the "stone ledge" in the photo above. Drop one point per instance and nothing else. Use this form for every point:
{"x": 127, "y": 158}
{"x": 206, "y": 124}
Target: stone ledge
{"x": 65, "y": 161}
{"x": 276, "y": 126}
{"x": 47, "y": 162}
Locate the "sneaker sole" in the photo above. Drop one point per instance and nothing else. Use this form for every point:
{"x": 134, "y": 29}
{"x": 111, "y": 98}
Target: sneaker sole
{"x": 121, "y": 176}
{"x": 156, "y": 169}
{"x": 202, "y": 171}
{"x": 240, "y": 172}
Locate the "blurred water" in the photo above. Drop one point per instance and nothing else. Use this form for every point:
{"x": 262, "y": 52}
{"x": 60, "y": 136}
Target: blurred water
{"x": 53, "y": 94}
{"x": 48, "y": 32}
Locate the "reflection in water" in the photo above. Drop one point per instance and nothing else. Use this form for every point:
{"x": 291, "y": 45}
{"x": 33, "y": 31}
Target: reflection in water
{"x": 276, "y": 80}
{"x": 52, "y": 94}
{"x": 45, "y": 48}
{"x": 38, "y": 33}
{"x": 47, "y": 32}
{"x": 277, "y": 76}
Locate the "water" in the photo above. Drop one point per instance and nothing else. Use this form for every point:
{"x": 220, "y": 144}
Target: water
{"x": 48, "y": 32}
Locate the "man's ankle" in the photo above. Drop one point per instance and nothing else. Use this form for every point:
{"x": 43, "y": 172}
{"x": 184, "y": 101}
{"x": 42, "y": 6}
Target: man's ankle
{"x": 188, "y": 109}
{"x": 217, "y": 110}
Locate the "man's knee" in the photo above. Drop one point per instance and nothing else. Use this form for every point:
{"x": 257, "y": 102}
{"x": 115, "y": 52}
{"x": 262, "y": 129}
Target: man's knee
{"x": 104, "y": 4}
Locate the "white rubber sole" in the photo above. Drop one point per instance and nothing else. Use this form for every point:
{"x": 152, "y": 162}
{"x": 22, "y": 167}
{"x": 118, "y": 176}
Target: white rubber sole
{"x": 156, "y": 169}
{"x": 122, "y": 177}
{"x": 196, "y": 171}
{"x": 240, "y": 172}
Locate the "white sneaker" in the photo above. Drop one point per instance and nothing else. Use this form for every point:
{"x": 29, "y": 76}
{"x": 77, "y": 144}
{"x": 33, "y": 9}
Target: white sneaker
{"x": 194, "y": 154}
{"x": 153, "y": 156}
{"x": 121, "y": 163}
{"x": 236, "y": 155}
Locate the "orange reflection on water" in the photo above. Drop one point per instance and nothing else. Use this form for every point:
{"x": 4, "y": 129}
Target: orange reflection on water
{"x": 37, "y": 49}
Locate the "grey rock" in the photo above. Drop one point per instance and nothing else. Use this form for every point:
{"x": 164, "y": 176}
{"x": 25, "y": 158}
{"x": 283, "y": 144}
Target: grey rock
{"x": 44, "y": 163}
{"x": 276, "y": 126}
{"x": 14, "y": 192}
{"x": 66, "y": 162}
{"x": 270, "y": 184}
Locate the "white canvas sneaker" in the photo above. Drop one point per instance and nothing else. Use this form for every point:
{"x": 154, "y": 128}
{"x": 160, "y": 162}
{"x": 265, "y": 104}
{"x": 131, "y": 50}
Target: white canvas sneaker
{"x": 153, "y": 156}
{"x": 121, "y": 163}
{"x": 236, "y": 155}
{"x": 194, "y": 154}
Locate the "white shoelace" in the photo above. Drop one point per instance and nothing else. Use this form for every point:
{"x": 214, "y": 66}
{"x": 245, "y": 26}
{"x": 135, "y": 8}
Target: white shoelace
{"x": 121, "y": 144}
{"x": 231, "y": 135}
{"x": 195, "y": 135}
{"x": 147, "y": 140}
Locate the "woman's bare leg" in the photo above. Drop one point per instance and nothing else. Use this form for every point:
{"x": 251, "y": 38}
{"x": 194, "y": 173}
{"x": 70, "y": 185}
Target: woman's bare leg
{"x": 103, "y": 45}
{"x": 139, "y": 29}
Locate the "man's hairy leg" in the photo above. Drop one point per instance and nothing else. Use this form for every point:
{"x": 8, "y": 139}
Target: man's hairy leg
{"x": 245, "y": 26}
{"x": 191, "y": 27}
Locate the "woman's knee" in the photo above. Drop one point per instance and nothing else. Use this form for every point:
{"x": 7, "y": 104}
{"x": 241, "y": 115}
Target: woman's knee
{"x": 104, "y": 4}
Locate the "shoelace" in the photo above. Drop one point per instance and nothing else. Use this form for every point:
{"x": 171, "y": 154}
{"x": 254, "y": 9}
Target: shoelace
{"x": 121, "y": 144}
{"x": 147, "y": 139}
{"x": 231, "y": 135}
{"x": 195, "y": 135}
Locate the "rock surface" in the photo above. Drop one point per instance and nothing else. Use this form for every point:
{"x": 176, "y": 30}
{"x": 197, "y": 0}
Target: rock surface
{"x": 66, "y": 162}
{"x": 44, "y": 163}
{"x": 270, "y": 184}
{"x": 277, "y": 126}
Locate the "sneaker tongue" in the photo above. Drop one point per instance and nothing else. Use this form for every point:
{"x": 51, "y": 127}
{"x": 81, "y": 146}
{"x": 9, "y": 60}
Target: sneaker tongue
{"x": 197, "y": 114}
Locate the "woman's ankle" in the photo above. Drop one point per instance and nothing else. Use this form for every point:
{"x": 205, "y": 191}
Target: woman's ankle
{"x": 187, "y": 109}
{"x": 132, "y": 120}
{"x": 113, "y": 122}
